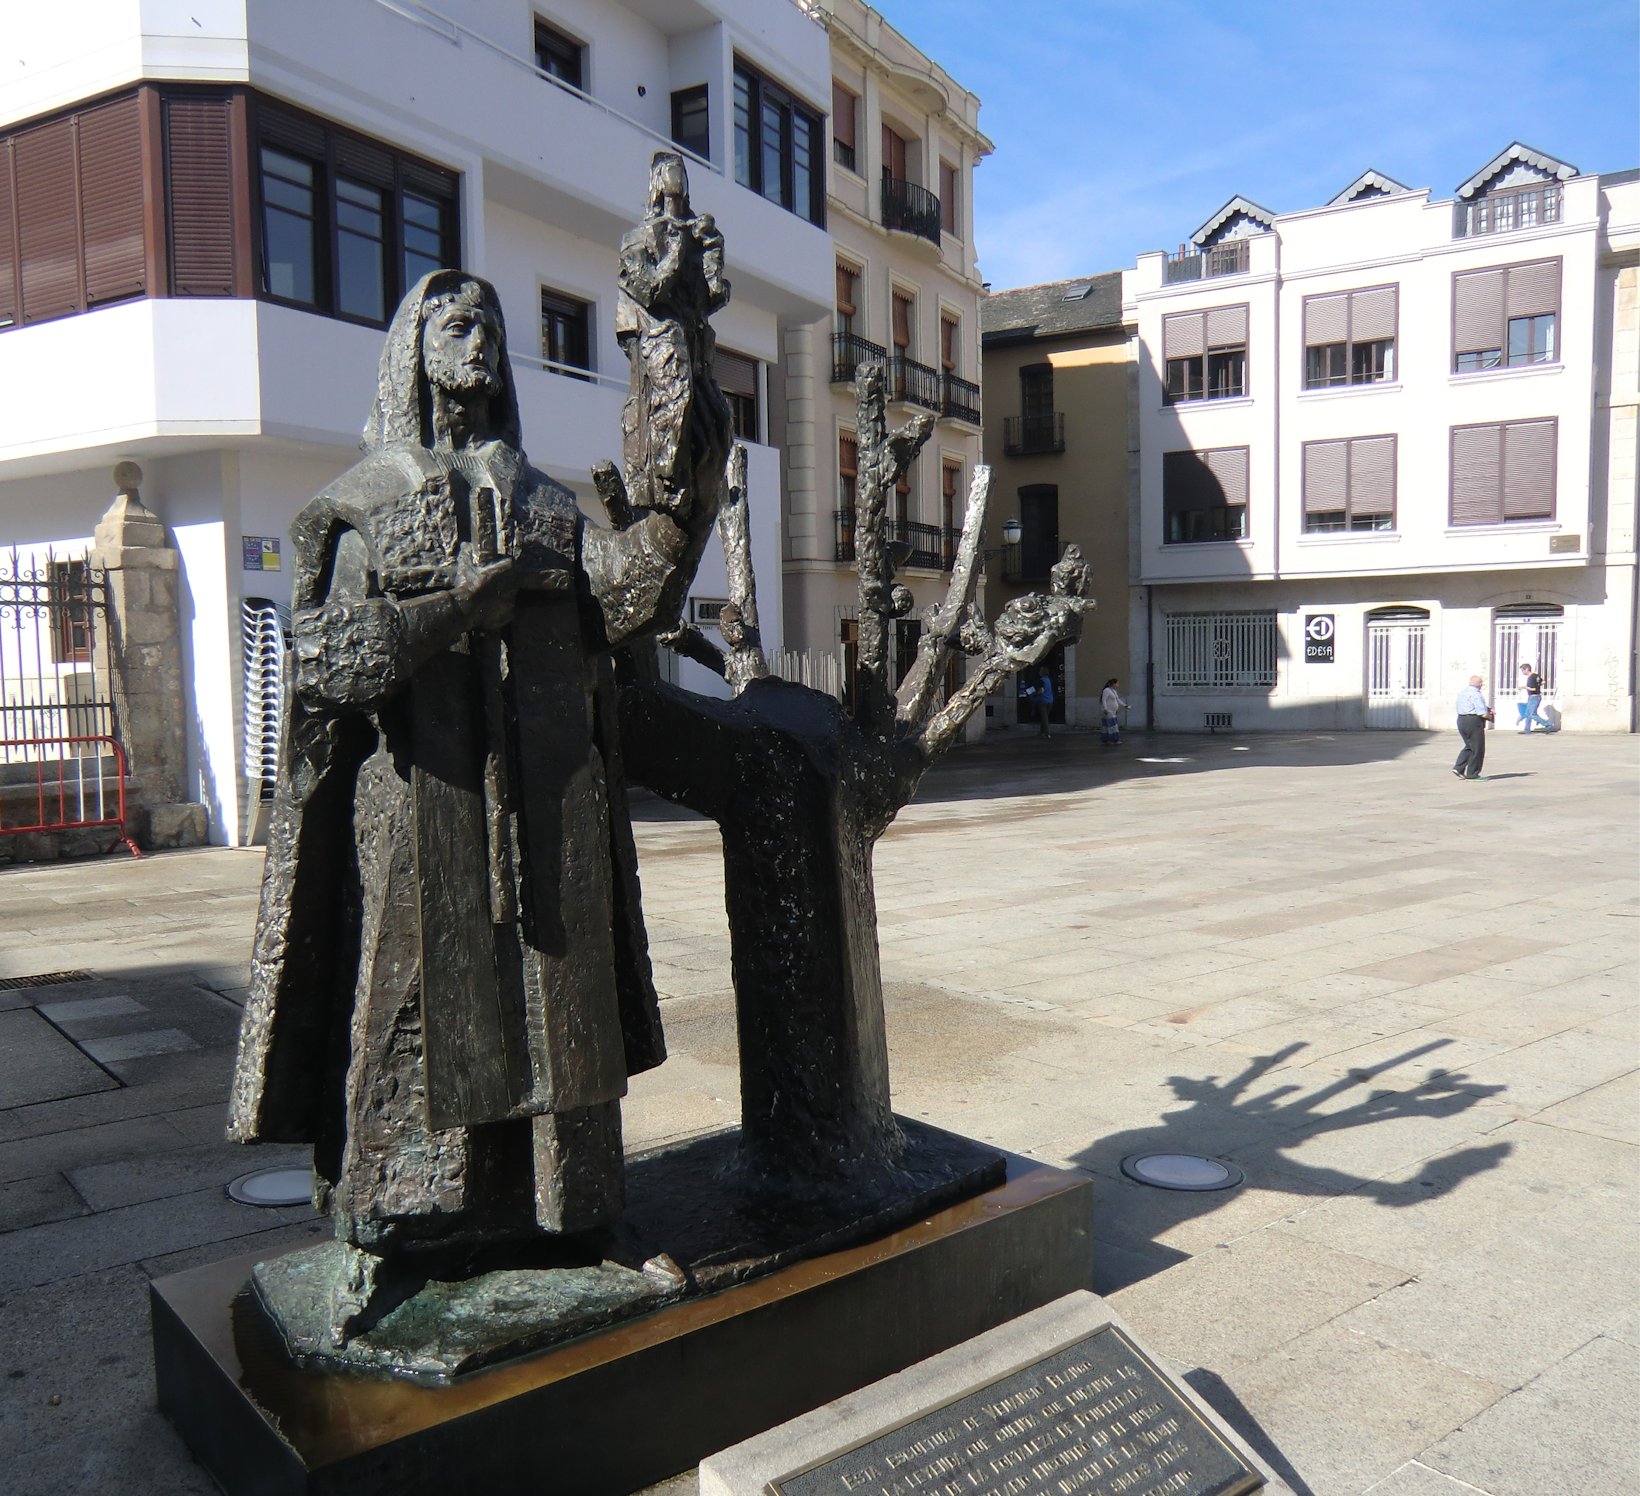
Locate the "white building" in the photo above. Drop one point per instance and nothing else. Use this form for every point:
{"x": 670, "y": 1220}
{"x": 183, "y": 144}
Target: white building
{"x": 218, "y": 204}
{"x": 1386, "y": 444}
{"x": 904, "y": 142}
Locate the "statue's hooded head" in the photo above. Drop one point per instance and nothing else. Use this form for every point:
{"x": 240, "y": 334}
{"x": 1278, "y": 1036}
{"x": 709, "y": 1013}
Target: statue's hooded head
{"x": 667, "y": 179}
{"x": 403, "y": 410}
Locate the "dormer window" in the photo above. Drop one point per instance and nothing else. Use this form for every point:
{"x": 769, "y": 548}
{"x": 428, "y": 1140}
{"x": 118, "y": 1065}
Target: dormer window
{"x": 1519, "y": 189}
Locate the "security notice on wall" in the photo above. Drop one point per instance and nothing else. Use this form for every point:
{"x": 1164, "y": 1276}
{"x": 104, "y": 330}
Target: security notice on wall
{"x": 1097, "y": 1418}
{"x": 1318, "y": 638}
{"x": 260, "y": 552}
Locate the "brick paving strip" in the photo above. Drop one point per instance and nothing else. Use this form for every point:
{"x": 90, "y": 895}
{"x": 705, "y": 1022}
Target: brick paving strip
{"x": 1405, "y": 1007}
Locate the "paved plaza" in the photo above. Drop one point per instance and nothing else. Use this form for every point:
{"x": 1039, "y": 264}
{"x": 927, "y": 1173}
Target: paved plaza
{"x": 1404, "y": 1006}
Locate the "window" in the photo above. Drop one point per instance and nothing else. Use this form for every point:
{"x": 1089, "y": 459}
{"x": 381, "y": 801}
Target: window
{"x": 557, "y": 55}
{"x": 1511, "y": 209}
{"x": 1039, "y": 531}
{"x": 950, "y": 511}
{"x": 70, "y": 590}
{"x": 848, "y": 296}
{"x": 948, "y": 198}
{"x": 903, "y": 318}
{"x": 1206, "y": 354}
{"x": 1505, "y": 316}
{"x": 777, "y": 146}
{"x": 737, "y": 378}
{"x": 1036, "y": 392}
{"x": 692, "y": 121}
{"x": 1349, "y": 485}
{"x": 848, "y": 470}
{"x": 566, "y": 331}
{"x": 1350, "y": 338}
{"x": 845, "y": 106}
{"x": 894, "y": 155}
{"x": 1204, "y": 495}
{"x": 347, "y": 225}
{"x": 1219, "y": 649}
{"x": 950, "y": 340}
{"x": 1503, "y": 472}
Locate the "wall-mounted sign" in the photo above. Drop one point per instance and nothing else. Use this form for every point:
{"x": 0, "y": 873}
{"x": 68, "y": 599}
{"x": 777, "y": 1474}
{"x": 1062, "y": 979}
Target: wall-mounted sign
{"x": 1318, "y": 638}
{"x": 260, "y": 552}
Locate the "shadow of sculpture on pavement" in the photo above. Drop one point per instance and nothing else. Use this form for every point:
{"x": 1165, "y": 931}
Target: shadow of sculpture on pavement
{"x": 1273, "y": 1122}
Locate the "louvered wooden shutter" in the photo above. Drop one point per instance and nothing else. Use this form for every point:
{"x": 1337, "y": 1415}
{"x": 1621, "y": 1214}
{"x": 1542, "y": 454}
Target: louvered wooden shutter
{"x": 111, "y": 191}
{"x": 846, "y": 279}
{"x": 1533, "y": 289}
{"x": 736, "y": 374}
{"x": 848, "y": 455}
{"x": 1228, "y": 466}
{"x": 1372, "y": 476}
{"x": 8, "y": 241}
{"x": 1477, "y": 311}
{"x": 1372, "y": 315}
{"x": 893, "y": 154}
{"x": 948, "y": 344}
{"x": 902, "y": 322}
{"x": 364, "y": 162}
{"x": 1477, "y": 461}
{"x": 1183, "y": 335}
{"x": 1326, "y": 320}
{"x": 842, "y": 114}
{"x": 1326, "y": 477}
{"x": 1227, "y": 327}
{"x": 1529, "y": 470}
{"x": 199, "y": 194}
{"x": 48, "y": 224}
{"x": 290, "y": 132}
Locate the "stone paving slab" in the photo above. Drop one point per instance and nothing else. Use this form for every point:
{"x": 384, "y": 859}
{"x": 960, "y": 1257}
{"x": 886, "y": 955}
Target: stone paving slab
{"x": 1281, "y": 949}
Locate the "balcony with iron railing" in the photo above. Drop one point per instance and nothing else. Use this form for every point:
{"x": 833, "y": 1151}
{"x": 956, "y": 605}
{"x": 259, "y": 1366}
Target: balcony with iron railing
{"x": 1230, "y": 258}
{"x": 928, "y": 547}
{"x": 1029, "y": 436}
{"x": 960, "y": 399}
{"x": 913, "y": 383}
{"x": 849, "y": 351}
{"x": 911, "y": 209}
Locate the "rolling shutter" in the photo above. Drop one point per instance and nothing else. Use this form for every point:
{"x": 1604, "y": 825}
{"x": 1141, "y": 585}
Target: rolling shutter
{"x": 364, "y": 162}
{"x": 1228, "y": 466}
{"x": 48, "y": 224}
{"x": 1533, "y": 289}
{"x": 1529, "y": 470}
{"x": 8, "y": 241}
{"x": 1326, "y": 477}
{"x": 1372, "y": 476}
{"x": 200, "y": 195}
{"x": 902, "y": 322}
{"x": 111, "y": 191}
{"x": 290, "y": 132}
{"x": 1183, "y": 335}
{"x": 1372, "y": 315}
{"x": 1477, "y": 467}
{"x": 1477, "y": 310}
{"x": 842, "y": 114}
{"x": 1326, "y": 320}
{"x": 846, "y": 279}
{"x": 1227, "y": 327}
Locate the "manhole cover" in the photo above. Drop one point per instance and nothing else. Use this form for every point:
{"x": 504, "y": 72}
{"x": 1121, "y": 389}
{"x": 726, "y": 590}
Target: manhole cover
{"x": 273, "y": 1187}
{"x": 1182, "y": 1171}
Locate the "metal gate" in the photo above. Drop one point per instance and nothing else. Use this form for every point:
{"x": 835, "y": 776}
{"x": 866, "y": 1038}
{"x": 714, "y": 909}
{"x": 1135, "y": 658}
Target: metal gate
{"x": 1397, "y": 695}
{"x": 1524, "y": 636}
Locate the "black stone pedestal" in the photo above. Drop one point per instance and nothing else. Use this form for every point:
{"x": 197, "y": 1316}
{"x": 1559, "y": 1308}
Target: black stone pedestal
{"x": 616, "y": 1410}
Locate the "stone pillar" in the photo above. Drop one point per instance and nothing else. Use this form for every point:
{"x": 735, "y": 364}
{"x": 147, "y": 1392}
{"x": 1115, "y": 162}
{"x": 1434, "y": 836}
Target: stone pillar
{"x": 145, "y": 660}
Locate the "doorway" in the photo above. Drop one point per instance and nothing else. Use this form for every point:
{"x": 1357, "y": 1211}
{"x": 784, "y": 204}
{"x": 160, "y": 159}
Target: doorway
{"x": 1397, "y": 691}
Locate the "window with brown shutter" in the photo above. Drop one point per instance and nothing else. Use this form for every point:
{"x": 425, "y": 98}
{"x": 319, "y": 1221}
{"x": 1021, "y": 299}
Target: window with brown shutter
{"x": 1349, "y": 485}
{"x": 199, "y": 195}
{"x": 8, "y": 242}
{"x": 1503, "y": 472}
{"x": 844, "y": 125}
{"x": 948, "y": 198}
{"x": 48, "y": 222}
{"x": 1205, "y": 354}
{"x": 950, "y": 500}
{"x": 1506, "y": 316}
{"x": 1204, "y": 495}
{"x": 950, "y": 332}
{"x": 737, "y": 378}
{"x": 1349, "y": 337}
{"x": 904, "y": 308}
{"x": 894, "y": 154}
{"x": 848, "y": 292}
{"x": 111, "y": 201}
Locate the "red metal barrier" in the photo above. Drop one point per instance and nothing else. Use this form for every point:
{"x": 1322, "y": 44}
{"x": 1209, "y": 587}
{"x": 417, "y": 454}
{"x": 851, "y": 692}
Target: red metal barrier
{"x": 69, "y": 790}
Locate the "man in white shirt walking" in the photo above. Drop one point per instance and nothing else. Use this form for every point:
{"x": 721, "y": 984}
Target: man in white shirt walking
{"x": 1473, "y": 715}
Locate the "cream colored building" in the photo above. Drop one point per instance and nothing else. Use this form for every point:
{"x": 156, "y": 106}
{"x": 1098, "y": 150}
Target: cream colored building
{"x": 905, "y": 140}
{"x": 1058, "y": 363}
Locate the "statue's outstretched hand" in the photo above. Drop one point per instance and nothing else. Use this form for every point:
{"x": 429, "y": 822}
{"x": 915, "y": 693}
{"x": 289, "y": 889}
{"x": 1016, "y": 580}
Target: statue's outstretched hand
{"x": 485, "y": 591}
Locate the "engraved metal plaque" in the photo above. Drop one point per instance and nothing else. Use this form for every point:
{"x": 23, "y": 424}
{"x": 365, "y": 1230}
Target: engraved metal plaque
{"x": 1097, "y": 1418}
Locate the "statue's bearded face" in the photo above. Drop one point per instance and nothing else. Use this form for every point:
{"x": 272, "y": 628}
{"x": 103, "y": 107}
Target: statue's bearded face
{"x": 461, "y": 348}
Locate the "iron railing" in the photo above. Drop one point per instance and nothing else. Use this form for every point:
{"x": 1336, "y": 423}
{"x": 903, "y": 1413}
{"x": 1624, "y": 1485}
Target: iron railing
{"x": 911, "y": 209}
{"x": 1225, "y": 259}
{"x": 54, "y": 668}
{"x": 960, "y": 400}
{"x": 931, "y": 547}
{"x": 1026, "y": 436}
{"x": 914, "y": 383}
{"x": 849, "y": 351}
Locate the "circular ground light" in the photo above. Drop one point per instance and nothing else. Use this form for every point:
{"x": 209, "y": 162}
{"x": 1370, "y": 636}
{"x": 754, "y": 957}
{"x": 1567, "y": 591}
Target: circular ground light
{"x": 1182, "y": 1171}
{"x": 270, "y": 1187}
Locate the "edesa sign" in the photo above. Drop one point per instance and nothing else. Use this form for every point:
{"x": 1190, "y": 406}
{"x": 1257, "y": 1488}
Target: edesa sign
{"x": 1318, "y": 638}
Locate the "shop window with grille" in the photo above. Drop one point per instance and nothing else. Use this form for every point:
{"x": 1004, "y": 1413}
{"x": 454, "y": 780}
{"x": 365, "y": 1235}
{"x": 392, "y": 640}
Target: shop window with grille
{"x": 1349, "y": 485}
{"x": 1503, "y": 473}
{"x": 1204, "y": 495}
{"x": 1349, "y": 338}
{"x": 1506, "y": 316}
{"x": 1207, "y": 651}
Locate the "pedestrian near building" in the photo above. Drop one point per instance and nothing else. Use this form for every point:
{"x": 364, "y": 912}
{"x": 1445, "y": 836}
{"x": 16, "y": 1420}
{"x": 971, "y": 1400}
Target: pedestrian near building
{"x": 1041, "y": 697}
{"x": 1110, "y": 702}
{"x": 1531, "y": 698}
{"x": 1473, "y": 715}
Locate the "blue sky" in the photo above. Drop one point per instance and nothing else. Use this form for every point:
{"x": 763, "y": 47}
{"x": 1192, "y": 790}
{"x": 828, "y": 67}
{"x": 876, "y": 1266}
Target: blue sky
{"x": 1120, "y": 125}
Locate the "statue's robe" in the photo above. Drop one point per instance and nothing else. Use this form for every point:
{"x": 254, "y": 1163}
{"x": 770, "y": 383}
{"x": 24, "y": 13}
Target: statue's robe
{"x": 450, "y": 973}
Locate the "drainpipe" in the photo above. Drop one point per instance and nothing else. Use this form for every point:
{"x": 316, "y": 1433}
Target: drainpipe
{"x": 1150, "y": 659}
